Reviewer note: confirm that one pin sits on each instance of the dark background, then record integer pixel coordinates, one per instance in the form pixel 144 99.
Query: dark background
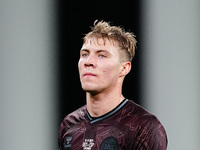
pixel 74 20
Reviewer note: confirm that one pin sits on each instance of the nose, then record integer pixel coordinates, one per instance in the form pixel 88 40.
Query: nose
pixel 90 62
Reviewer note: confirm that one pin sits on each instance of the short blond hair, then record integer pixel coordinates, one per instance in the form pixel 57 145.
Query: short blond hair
pixel 125 40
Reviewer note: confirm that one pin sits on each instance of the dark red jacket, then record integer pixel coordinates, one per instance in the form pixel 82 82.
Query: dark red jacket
pixel 127 127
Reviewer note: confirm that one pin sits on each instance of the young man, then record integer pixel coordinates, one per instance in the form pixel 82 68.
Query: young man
pixel 109 121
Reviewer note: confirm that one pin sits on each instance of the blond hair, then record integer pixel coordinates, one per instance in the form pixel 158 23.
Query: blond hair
pixel 126 40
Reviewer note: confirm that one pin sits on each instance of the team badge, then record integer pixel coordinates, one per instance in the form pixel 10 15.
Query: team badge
pixel 87 144
pixel 109 143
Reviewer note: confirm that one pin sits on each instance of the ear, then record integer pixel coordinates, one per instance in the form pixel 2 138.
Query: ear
pixel 125 68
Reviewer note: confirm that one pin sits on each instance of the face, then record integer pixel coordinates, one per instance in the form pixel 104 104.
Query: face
pixel 99 66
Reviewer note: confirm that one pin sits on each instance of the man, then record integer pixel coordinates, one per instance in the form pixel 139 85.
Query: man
pixel 109 121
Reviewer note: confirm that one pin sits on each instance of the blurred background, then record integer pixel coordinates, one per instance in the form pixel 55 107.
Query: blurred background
pixel 39 52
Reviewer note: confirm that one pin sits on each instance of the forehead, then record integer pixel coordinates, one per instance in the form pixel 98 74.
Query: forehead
pixel 99 43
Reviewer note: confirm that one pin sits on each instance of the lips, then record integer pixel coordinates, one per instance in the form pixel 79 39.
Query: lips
pixel 89 75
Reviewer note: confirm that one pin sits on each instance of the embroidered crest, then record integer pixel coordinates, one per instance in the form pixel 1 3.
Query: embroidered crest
pixel 87 144
pixel 109 143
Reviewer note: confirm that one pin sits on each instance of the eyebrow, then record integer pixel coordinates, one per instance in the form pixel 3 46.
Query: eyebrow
pixel 84 50
pixel 97 51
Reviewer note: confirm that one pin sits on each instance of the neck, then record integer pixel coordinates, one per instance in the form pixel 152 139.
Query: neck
pixel 101 103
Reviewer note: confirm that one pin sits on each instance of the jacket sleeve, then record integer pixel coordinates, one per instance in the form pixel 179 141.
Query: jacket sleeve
pixel 158 138
pixel 62 131
pixel 152 136
pixel 60 136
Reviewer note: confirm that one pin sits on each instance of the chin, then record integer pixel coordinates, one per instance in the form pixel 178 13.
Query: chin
pixel 90 89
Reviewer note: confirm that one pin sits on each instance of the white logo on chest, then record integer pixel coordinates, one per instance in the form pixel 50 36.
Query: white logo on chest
pixel 87 144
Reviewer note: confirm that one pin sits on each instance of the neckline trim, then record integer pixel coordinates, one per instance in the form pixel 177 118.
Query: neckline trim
pixel 97 119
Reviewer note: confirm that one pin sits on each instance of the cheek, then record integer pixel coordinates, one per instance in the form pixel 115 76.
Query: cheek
pixel 79 65
pixel 111 73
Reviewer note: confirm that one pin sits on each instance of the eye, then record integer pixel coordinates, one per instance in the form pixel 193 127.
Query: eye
pixel 102 56
pixel 84 55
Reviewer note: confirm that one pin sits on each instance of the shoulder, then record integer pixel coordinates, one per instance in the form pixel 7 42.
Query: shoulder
pixel 142 117
pixel 139 114
pixel 76 116
pixel 73 119
pixel 149 128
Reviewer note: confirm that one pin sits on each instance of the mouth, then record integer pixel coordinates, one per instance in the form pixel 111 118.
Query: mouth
pixel 89 75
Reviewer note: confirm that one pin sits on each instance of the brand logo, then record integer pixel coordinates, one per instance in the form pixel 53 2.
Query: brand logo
pixel 68 144
pixel 87 144
pixel 109 143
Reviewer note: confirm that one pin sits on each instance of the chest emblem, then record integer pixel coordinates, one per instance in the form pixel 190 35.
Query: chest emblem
pixel 87 144
pixel 109 143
